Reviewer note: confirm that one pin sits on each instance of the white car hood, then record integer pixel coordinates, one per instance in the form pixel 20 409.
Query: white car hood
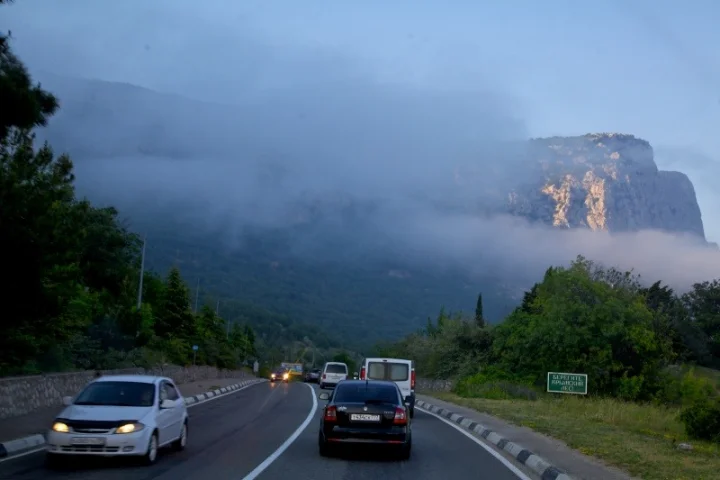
pixel 104 413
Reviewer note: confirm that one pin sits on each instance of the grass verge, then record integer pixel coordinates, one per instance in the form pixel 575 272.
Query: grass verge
pixel 640 439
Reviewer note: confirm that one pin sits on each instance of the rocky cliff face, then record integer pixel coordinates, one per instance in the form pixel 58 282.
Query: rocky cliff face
pixel 599 181
pixel 605 182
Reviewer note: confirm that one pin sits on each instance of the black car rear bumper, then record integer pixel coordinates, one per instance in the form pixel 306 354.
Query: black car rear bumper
pixel 396 435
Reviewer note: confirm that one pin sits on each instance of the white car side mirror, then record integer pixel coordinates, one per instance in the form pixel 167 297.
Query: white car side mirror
pixel 67 401
pixel 167 403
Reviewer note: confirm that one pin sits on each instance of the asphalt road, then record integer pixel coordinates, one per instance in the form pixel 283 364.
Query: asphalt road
pixel 238 437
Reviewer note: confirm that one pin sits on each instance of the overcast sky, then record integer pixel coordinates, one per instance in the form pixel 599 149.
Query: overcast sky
pixel 559 67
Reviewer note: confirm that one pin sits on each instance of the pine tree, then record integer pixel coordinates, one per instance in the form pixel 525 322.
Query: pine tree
pixel 176 319
pixel 479 319
pixel 442 316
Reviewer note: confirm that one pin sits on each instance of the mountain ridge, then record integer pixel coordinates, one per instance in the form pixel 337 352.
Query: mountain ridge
pixel 327 258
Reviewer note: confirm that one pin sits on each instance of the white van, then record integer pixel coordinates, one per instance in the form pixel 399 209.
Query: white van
pixel 397 370
pixel 333 373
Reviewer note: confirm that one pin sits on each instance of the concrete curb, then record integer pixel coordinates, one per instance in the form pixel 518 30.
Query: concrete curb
pixel 21 445
pixel 523 456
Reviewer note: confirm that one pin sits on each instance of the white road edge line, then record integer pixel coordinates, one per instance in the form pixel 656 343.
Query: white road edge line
pixel 230 392
pixel 19 455
pixel 488 448
pixel 274 456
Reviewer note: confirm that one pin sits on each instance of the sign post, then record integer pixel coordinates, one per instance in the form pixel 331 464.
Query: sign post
pixel 195 349
pixel 572 383
pixel 256 367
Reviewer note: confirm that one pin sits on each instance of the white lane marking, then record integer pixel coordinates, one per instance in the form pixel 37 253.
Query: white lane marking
pixel 42 449
pixel 267 399
pixel 274 456
pixel 488 448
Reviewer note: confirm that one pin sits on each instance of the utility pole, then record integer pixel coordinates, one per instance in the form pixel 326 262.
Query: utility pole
pixel 142 273
pixel 197 294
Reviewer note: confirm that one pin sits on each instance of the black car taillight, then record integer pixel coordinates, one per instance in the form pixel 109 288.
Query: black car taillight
pixel 330 414
pixel 400 416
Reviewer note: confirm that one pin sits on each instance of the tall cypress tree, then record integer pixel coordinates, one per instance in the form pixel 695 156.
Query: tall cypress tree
pixel 479 320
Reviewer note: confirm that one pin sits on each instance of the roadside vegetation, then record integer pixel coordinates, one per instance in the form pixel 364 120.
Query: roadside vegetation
pixel 650 355
pixel 72 269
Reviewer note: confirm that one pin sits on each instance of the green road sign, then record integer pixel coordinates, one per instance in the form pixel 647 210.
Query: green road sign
pixel 575 383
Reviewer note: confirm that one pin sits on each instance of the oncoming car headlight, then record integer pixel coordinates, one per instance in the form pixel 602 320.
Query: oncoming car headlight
pixel 60 427
pixel 272 375
pixel 130 428
pixel 285 376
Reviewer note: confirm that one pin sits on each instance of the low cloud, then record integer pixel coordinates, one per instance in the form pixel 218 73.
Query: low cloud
pixel 297 129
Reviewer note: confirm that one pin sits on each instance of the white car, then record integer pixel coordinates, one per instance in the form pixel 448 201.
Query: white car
pixel 129 415
pixel 333 373
pixel 398 370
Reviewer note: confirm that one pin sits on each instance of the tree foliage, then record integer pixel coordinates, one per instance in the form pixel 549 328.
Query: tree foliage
pixel 479 318
pixel 584 318
pixel 72 269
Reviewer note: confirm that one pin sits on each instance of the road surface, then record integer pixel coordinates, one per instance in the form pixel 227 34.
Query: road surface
pixel 256 434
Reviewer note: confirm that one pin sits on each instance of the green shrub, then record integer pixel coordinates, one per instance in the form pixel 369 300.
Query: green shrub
pixel 686 390
pixel 502 391
pixel 495 384
pixel 702 420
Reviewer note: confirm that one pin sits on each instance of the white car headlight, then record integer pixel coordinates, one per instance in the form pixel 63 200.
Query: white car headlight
pixel 60 427
pixel 130 428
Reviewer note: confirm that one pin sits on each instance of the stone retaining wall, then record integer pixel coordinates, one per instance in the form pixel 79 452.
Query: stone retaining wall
pixel 433 385
pixel 22 395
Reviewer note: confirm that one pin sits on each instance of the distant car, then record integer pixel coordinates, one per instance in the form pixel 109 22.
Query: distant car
pixel 280 375
pixel 332 373
pixel 129 415
pixel 313 376
pixel 365 412
pixel 398 370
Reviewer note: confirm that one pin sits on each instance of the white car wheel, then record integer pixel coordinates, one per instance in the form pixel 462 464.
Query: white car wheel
pixel 183 436
pixel 181 442
pixel 152 450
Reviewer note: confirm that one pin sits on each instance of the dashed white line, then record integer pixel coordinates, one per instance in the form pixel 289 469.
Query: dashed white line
pixel 274 456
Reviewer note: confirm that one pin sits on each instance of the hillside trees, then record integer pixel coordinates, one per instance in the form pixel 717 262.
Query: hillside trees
pixel 581 322
pixel 71 268
pixel 583 318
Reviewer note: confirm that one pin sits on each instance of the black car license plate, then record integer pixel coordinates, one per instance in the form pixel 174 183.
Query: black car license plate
pixel 364 417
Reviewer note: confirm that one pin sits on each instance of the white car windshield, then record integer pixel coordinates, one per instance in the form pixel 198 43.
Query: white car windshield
pixel 123 394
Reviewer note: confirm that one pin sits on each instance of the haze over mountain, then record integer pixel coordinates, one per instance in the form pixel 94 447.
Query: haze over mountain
pixel 334 188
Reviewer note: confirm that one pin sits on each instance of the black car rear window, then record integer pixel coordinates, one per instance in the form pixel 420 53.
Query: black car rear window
pixel 335 368
pixel 361 393
pixel 395 372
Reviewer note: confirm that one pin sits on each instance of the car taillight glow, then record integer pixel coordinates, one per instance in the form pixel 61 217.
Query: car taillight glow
pixel 412 380
pixel 331 414
pixel 400 416
pixel 324 376
pixel 362 373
